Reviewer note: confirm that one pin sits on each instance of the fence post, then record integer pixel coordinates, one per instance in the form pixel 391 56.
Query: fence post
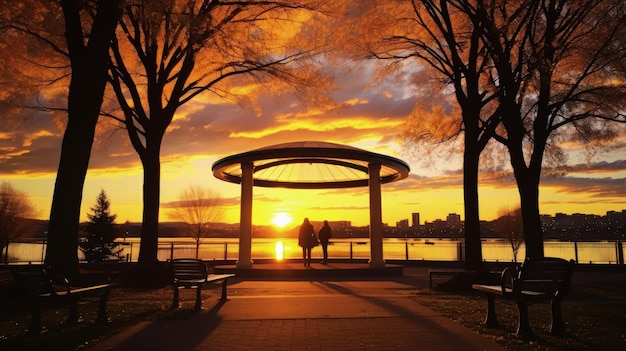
pixel 172 250
pixel 620 252
pixel 576 251
pixel 43 250
pixel 350 250
pixel 406 250
pixel 225 251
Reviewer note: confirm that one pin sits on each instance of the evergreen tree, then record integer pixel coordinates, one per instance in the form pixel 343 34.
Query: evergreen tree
pixel 100 245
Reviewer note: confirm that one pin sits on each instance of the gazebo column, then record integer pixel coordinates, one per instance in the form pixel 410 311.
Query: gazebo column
pixel 245 216
pixel 376 217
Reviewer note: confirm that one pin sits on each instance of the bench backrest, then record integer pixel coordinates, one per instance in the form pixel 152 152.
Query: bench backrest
pixel 186 269
pixel 549 275
pixel 34 281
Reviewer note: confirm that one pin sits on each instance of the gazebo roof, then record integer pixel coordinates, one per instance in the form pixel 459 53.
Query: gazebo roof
pixel 310 165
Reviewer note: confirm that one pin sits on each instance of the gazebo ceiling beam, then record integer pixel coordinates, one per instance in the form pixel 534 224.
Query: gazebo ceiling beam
pixel 311 160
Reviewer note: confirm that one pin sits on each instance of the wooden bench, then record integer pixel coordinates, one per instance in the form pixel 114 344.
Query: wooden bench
pixel 536 280
pixel 43 288
pixel 192 273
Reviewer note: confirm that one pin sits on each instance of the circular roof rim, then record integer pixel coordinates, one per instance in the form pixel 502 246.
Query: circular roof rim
pixel 268 152
pixel 313 149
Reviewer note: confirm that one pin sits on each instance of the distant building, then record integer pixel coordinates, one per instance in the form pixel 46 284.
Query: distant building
pixel 339 229
pixel 415 218
pixel 453 219
pixel 403 224
pixel 438 224
pixel 615 217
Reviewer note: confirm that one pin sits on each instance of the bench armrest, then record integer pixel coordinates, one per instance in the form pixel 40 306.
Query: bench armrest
pixel 60 285
pixel 507 281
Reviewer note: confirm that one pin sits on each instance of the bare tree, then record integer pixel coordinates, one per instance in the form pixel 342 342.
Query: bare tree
pixel 560 68
pixel 168 52
pixel 441 36
pixel 15 210
pixel 79 32
pixel 510 226
pixel 556 69
pixel 198 208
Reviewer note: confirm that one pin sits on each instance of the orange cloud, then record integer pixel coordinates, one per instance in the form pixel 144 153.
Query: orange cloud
pixel 28 141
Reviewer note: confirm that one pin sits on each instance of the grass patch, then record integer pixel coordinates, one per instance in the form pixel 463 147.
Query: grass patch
pixel 594 317
pixel 126 308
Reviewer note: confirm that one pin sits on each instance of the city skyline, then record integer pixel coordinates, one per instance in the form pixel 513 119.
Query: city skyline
pixel 451 218
pixel 609 226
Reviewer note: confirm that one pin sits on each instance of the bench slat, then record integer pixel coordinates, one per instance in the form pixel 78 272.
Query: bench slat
pixel 89 289
pixel 215 277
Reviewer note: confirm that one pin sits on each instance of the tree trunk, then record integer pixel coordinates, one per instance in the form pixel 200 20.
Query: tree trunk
pixel 149 273
pixel 471 157
pixel 529 200
pixel 62 249
pixel 473 249
pixel 527 179
pixel 148 248
pixel 89 72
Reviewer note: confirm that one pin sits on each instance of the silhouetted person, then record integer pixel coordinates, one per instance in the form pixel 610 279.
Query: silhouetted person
pixel 324 236
pixel 307 240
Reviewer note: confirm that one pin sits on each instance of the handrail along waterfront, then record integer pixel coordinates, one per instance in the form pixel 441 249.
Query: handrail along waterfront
pixel 422 249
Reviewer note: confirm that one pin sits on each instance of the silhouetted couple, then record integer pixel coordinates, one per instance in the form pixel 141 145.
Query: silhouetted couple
pixel 307 240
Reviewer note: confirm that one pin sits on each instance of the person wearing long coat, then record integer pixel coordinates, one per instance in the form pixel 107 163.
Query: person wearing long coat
pixel 324 236
pixel 307 240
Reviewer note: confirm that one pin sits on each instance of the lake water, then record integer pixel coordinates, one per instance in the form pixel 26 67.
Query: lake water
pixel 601 252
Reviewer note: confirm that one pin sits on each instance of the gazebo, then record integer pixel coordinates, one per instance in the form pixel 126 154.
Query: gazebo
pixel 310 165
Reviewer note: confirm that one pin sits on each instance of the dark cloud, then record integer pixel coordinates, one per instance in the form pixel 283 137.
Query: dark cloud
pixel 426 182
pixel 595 187
pixel 31 145
pixel 599 167
pixel 338 208
pixel 588 202
pixel 220 201
pixel 40 157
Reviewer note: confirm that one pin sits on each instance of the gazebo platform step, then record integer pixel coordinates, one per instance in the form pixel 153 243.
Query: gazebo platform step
pixel 295 270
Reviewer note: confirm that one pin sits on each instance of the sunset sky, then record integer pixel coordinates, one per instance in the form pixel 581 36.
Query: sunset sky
pixel 372 119
pixel 370 114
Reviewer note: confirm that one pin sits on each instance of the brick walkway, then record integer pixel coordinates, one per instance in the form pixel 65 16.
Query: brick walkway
pixel 305 315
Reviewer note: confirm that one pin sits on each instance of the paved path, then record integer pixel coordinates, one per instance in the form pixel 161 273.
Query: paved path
pixel 306 315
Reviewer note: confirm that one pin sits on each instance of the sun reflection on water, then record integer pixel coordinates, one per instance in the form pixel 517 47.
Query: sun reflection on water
pixel 280 251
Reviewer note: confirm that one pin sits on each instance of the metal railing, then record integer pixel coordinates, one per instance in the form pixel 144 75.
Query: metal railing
pixel 599 252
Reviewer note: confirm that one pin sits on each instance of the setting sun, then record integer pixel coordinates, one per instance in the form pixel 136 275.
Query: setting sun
pixel 281 219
